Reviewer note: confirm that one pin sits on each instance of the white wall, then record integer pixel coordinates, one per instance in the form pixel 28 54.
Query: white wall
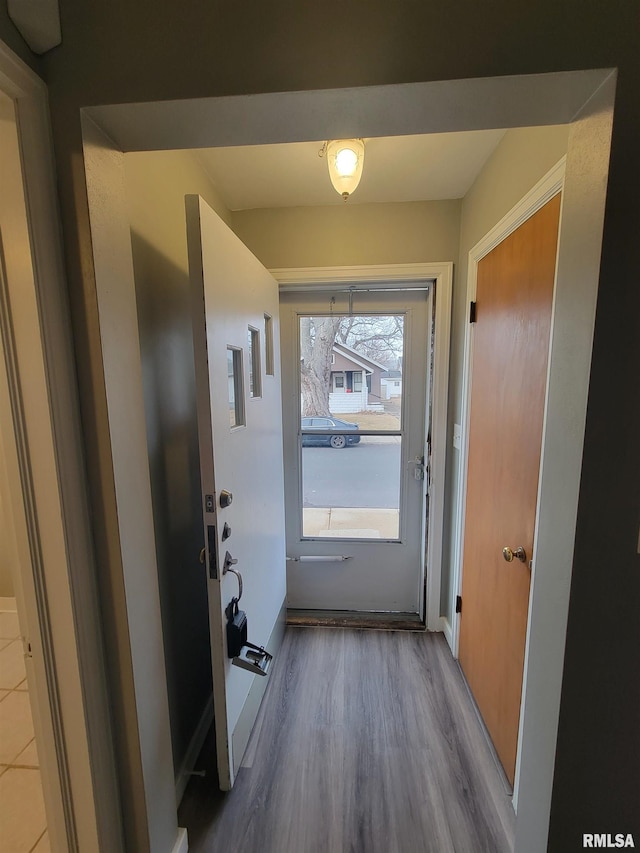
pixel 410 232
pixel 342 403
pixel 129 588
pixel 156 183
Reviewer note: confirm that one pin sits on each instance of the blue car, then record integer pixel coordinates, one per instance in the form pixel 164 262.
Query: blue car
pixel 312 436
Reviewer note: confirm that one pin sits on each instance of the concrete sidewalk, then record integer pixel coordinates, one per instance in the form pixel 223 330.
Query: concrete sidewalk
pixel 351 523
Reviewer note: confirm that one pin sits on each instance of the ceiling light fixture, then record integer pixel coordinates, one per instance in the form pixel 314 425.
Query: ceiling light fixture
pixel 345 158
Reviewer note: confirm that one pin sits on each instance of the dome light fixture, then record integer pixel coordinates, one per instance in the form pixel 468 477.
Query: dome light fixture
pixel 345 158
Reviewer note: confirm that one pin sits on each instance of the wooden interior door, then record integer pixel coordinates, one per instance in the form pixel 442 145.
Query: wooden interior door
pixel 237 358
pixel 510 353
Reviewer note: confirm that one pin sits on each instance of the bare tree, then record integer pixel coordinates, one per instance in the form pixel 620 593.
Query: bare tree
pixel 377 337
pixel 317 337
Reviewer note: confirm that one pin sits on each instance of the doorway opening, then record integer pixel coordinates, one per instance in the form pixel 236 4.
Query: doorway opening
pixel 117 121
pixel 23 820
pixel 54 640
pixel 357 520
pixel 512 273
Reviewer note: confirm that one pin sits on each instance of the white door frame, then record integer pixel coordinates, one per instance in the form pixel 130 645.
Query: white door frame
pixel 406 275
pixel 42 478
pixel 584 99
pixel 539 195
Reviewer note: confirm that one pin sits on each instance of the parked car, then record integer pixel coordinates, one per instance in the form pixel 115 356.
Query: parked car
pixel 313 429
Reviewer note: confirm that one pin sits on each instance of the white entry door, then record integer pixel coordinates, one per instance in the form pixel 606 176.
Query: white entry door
pixel 355 384
pixel 236 347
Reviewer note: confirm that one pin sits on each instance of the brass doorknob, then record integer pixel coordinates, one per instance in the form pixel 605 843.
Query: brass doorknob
pixel 518 554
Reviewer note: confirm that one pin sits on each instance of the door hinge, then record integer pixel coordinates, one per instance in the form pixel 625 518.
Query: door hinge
pixel 473 311
pixel 458 604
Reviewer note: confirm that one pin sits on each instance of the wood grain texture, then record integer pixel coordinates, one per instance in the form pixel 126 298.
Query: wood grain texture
pixel 354 619
pixel 367 742
pixel 511 344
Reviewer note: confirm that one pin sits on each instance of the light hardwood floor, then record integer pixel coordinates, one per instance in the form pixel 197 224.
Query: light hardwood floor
pixel 367 742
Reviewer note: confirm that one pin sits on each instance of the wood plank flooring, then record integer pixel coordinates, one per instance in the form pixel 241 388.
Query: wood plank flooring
pixel 367 742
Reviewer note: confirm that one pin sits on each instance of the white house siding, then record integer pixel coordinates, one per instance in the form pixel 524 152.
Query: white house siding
pixel 390 389
pixel 342 403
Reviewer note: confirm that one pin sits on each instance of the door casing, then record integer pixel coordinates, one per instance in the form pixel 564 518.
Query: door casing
pixel 585 100
pixel 404 276
pixel 42 478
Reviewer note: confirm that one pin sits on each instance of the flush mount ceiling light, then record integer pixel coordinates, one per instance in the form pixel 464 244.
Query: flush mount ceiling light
pixel 345 158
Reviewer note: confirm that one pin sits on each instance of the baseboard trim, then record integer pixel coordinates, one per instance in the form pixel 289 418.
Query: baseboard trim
pixel 249 713
pixel 182 842
pixel 447 630
pixel 193 750
pixel 508 788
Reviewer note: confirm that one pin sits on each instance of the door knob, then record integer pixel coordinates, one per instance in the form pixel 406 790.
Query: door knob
pixel 518 554
pixel 225 498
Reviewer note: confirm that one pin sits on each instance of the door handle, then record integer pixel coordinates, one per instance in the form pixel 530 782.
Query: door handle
pixel 518 554
pixel 229 562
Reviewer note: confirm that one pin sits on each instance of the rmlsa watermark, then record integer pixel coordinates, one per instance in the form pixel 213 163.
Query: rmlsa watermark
pixel 620 839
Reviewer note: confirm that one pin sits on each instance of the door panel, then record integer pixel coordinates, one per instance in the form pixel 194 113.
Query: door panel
pixel 364 499
pixel 234 305
pixel 510 353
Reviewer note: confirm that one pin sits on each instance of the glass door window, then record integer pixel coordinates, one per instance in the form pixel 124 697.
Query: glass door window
pixel 355 493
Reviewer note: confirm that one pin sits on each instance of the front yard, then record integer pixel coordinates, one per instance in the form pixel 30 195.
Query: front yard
pixel 372 420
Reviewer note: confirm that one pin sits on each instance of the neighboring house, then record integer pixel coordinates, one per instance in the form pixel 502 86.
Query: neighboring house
pixel 355 381
pixel 391 384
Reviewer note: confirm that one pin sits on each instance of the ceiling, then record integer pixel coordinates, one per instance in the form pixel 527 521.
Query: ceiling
pixel 396 168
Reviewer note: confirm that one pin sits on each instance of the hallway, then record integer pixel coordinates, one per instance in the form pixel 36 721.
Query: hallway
pixel 367 742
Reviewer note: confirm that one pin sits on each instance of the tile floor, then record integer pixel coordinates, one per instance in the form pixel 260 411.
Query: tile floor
pixel 22 819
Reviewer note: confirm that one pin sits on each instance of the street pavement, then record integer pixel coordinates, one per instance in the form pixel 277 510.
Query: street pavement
pixel 365 475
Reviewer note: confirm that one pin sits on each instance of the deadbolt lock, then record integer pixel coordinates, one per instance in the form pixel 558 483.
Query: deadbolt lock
pixel 226 498
pixel 518 554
